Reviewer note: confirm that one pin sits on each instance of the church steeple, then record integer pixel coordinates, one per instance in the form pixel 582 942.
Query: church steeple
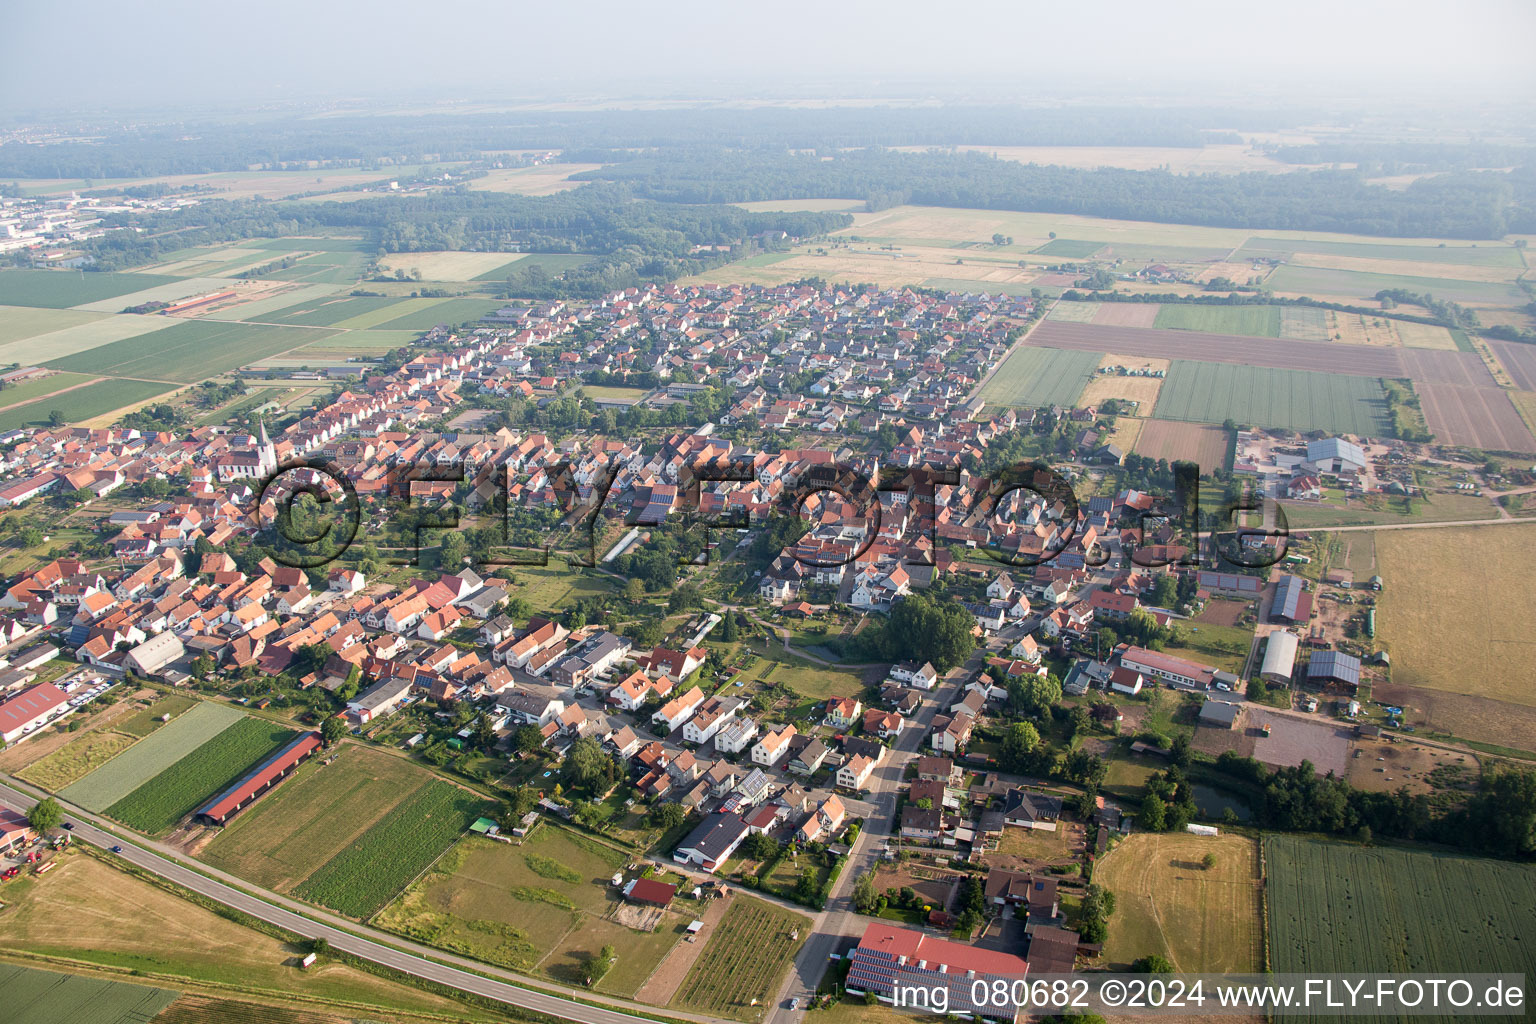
pixel 268 454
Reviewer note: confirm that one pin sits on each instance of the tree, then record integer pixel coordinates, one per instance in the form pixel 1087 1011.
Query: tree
pixel 1018 741
pixel 807 889
pixel 634 591
pixel 332 730
pixel 1152 964
pixel 56 418
pixel 667 816
pixel 1033 695
pixel 600 965
pixel 485 732
pixel 1208 861
pixel 864 895
pixel 527 738
pixel 1154 814
pixel 587 767
pixel 1098 906
pixel 1179 752
pixel 45 815
pixel 927 628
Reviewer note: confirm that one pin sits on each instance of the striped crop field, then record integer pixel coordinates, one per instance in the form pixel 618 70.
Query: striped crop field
pixel 150 756
pixel 157 805
pixel 1034 377
pixel 47 997
pixel 1271 397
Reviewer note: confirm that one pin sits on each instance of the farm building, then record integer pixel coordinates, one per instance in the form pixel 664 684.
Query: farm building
pixel 263 777
pixel 1168 668
pixel 1292 602
pixel 1220 714
pixel 153 655
pixel 15 830
pixel 649 892
pixel 1279 657
pixel 1230 584
pixel 1336 455
pixel 29 709
pixel 713 842
pixel 1334 667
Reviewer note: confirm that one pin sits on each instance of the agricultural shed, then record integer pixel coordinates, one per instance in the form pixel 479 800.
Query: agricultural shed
pixel 263 777
pixel 650 892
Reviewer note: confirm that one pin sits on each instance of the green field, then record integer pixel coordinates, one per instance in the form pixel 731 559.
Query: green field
pixel 1156 253
pixel 145 721
pixel 744 961
pixel 1317 282
pixel 1491 255
pixel 46 997
pixel 305 244
pixel 18 323
pixel 335 267
pixel 1262 396
pixel 156 806
pixel 315 814
pixel 328 312
pixel 1337 907
pixel 1034 377
pixel 1070 247
pixel 558 263
pixel 83 403
pixel 449 311
pixel 1257 321
pixel 144 760
pixel 190 351
pixel 34 387
pixel 382 861
pixel 58 289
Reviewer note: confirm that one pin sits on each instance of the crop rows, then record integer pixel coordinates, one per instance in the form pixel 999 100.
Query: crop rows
pixel 1338 907
pixel 45 997
pixel 1270 397
pixel 158 804
pixel 150 756
pixel 744 959
pixel 366 875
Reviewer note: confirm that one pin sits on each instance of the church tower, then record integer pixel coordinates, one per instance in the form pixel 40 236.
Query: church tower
pixel 267 453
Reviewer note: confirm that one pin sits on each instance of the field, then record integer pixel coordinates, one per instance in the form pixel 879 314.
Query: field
pixel 382 861
pixel 1268 397
pixel 1033 377
pixel 1358 287
pixel 44 997
pixel 1445 583
pixel 60 342
pixel 451 266
pixel 189 351
pixel 1335 907
pixel 76 760
pixel 20 322
pixel 145 721
pixel 314 815
pixel 542 907
pixel 1075 312
pixel 1127 314
pixel 541 180
pixel 58 289
pixel 330 311
pixel 92 914
pixel 1255 321
pixel 1518 360
pixel 448 311
pixel 745 960
pixel 1482 417
pixel 1424 335
pixel 1141 390
pixel 156 806
pixel 1497 255
pixel 84 403
pixel 37 387
pixel 143 761
pixel 1071 248
pixel 1325 357
pixel 1166 902
pixel 1440 507
pixel 1193 442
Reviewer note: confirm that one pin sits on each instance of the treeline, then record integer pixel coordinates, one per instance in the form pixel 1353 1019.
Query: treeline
pixel 378 143
pixel 1499 819
pixel 1471 205
pixel 635 241
pixel 1384 158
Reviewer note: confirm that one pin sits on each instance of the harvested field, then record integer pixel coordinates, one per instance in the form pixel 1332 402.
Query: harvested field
pixel 1463 369
pixel 314 815
pixel 1324 357
pixel 543 180
pixel 144 760
pixel 1465 715
pixel 1304 323
pixel 1479 417
pixel 1167 902
pixel 1075 312
pixel 1525 404
pixel 1190 442
pixel 1127 314
pixel 1424 335
pixel 1438 584
pixel 1519 361
pixel 1035 376
pixel 1141 390
pixel 1355 287
pixel 1499 255
pixel 1250 321
pixel 1219 612
pixel 450 266
pixel 1394 267
pixel 1269 397
pixel 1115 359
pixel 1355 329
pixel 1127 432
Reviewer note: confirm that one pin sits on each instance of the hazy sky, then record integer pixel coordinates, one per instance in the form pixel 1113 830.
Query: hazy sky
pixel 159 52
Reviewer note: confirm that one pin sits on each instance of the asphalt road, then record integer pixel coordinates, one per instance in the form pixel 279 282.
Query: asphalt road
pixel 345 941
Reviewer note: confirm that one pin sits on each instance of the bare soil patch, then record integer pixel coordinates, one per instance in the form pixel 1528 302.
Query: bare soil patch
pixel 1204 443
pixel 1141 390
pixel 1222 613
pixel 1127 314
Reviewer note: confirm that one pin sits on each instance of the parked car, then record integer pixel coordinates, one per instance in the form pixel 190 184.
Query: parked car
pixel 68 826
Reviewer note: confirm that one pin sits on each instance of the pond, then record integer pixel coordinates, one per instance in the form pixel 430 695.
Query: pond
pixel 1213 802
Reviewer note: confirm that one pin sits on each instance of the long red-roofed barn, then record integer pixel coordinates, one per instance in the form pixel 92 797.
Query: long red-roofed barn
pixel 263 777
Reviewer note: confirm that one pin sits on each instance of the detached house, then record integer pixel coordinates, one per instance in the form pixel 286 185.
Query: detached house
pixel 773 746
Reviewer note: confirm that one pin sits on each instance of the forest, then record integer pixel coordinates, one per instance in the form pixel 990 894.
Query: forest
pixel 1484 204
